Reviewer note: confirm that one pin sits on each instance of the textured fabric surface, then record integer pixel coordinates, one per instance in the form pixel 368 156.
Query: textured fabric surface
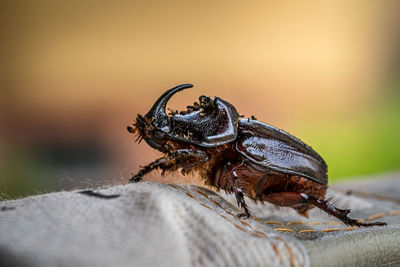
pixel 149 224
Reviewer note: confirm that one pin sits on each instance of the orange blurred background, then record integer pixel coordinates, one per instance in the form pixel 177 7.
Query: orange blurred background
pixel 76 73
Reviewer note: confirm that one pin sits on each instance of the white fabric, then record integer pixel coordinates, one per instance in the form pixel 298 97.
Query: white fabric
pixel 149 224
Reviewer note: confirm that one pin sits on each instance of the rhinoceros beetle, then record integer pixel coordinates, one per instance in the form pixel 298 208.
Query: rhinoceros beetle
pixel 241 156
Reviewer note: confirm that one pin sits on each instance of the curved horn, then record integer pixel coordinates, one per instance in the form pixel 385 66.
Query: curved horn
pixel 158 109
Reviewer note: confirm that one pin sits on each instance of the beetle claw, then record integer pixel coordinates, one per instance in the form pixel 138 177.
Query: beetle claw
pixel 136 179
pixel 243 215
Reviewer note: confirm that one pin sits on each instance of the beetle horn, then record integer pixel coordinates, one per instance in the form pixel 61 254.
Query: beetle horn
pixel 158 110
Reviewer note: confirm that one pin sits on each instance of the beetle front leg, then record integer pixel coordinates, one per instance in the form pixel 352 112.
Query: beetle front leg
pixel 148 168
pixel 336 212
pixel 182 158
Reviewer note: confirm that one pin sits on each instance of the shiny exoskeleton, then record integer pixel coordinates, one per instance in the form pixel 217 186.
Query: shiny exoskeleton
pixel 241 156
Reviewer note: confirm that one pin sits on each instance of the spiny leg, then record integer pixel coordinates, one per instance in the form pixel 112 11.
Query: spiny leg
pixel 162 162
pixel 338 213
pixel 241 203
pixel 234 181
pixel 178 159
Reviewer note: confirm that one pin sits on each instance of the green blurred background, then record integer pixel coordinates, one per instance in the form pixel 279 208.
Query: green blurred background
pixel 75 74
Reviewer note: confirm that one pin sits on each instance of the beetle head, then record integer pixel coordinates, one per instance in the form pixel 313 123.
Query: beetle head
pixel 211 122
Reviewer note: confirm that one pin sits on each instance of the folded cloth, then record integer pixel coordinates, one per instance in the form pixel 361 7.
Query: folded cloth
pixel 151 224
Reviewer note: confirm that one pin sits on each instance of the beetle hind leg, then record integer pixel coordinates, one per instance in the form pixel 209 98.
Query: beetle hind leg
pixel 341 214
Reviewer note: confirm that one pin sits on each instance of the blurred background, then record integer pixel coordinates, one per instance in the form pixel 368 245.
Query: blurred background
pixel 74 74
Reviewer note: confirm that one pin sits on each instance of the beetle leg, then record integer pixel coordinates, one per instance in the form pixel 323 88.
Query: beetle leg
pixel 182 158
pixel 238 192
pixel 259 187
pixel 148 168
pixel 338 213
pixel 189 158
pixel 241 203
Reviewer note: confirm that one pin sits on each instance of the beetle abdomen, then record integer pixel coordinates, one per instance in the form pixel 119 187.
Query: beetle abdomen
pixel 266 186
